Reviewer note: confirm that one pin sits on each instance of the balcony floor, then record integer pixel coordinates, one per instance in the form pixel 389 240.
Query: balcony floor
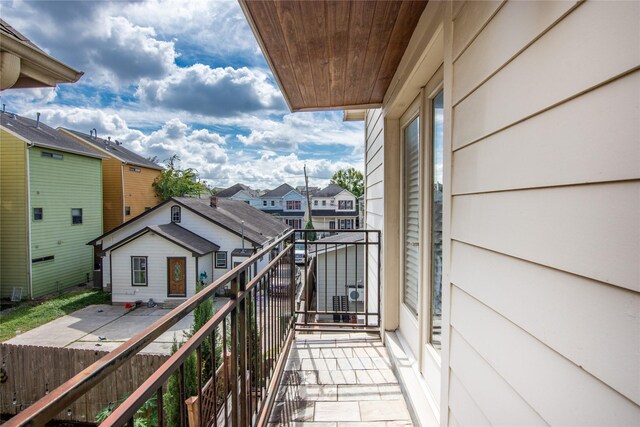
pixel 339 380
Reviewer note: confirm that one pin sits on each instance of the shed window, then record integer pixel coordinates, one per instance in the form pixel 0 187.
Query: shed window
pixel 132 169
pixel 221 260
pixel 56 156
pixel 42 259
pixel 38 214
pixel 175 214
pixel 127 210
pixel 76 216
pixel 139 271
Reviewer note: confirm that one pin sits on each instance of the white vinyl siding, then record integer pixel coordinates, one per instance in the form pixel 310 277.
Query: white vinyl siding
pixel 157 249
pixel 411 214
pixel 544 222
pixel 336 270
pixel 374 193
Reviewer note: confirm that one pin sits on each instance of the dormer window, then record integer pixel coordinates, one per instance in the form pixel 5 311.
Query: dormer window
pixel 175 214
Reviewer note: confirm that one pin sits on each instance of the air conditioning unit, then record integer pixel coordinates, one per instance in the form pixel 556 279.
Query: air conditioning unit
pixel 356 293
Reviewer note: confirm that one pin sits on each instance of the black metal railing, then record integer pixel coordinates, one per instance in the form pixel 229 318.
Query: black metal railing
pixel 342 280
pixel 243 345
pixel 228 371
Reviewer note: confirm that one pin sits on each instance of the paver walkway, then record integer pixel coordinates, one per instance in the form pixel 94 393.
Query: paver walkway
pixel 339 380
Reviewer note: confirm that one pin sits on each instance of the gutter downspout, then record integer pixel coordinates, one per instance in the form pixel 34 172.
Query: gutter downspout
pixel 122 215
pixel 28 181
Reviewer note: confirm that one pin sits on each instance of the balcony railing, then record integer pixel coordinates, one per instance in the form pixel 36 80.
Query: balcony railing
pixel 228 371
pixel 342 280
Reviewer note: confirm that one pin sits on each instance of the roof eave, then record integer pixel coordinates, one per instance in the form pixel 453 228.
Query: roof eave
pixel 37 66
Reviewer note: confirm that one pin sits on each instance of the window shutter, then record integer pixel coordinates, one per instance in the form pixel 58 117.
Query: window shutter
pixel 411 215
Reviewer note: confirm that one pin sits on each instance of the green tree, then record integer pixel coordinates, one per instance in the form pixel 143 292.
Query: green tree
pixel 176 182
pixel 350 179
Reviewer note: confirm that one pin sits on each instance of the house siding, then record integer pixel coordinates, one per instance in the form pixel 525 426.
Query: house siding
pixel 227 240
pixel 545 204
pixel 58 186
pixel 138 189
pixel 112 193
pixel 374 197
pixel 335 271
pixel 157 249
pixel 14 251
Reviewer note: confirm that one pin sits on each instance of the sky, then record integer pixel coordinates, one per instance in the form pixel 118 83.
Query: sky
pixel 179 77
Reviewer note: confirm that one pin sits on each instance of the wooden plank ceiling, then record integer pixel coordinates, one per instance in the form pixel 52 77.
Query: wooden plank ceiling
pixel 333 54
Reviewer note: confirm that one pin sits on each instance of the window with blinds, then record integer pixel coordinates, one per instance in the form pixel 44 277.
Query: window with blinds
pixel 411 216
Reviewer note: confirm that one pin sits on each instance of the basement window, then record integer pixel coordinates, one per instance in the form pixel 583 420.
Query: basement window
pixel 42 259
pixel 52 155
pixel 76 216
pixel 38 214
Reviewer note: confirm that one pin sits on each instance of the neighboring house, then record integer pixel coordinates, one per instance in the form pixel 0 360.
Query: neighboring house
pixel 339 275
pixel 303 190
pixel 25 65
pixel 240 192
pixel 161 254
pixel 127 179
pixel 334 208
pixel 286 203
pixel 517 300
pixel 51 204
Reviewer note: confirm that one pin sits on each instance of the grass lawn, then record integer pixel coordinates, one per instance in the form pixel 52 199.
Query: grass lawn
pixel 32 314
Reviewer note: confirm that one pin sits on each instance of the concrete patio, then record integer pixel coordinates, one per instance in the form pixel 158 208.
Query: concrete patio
pixel 114 323
pixel 335 380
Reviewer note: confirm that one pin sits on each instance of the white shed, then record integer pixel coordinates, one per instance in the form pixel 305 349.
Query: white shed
pixel 340 276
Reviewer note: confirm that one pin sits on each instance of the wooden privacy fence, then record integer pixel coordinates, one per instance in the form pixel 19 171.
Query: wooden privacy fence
pixel 30 372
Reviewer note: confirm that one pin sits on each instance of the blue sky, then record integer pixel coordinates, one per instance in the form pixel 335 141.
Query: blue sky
pixel 179 77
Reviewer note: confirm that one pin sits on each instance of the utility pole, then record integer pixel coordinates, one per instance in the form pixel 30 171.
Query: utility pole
pixel 306 185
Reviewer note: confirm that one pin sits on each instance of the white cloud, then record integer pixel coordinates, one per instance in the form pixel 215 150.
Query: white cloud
pixel 296 129
pixel 211 91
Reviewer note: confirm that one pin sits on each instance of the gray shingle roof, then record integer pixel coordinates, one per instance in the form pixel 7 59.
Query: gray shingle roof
pixel 44 136
pixel 235 189
pixel 259 227
pixel 115 150
pixel 329 191
pixel 278 192
pixel 332 212
pixel 342 237
pixel 174 233
pixel 5 28
pixel 185 238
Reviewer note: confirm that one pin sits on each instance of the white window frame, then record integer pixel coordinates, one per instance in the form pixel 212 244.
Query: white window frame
pixel 176 214
pixel 141 269
pixel 221 262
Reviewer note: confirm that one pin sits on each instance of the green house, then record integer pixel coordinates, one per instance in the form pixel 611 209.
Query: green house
pixel 50 207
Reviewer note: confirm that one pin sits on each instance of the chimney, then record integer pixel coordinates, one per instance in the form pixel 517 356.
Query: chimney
pixel 91 133
pixel 213 201
pixel 37 120
pixel 4 108
pixel 95 133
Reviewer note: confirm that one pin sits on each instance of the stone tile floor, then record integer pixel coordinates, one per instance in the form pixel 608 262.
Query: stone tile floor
pixel 336 380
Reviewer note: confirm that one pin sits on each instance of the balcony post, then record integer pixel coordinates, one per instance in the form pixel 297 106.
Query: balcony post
pixel 292 281
pixel 234 355
pixel 242 341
